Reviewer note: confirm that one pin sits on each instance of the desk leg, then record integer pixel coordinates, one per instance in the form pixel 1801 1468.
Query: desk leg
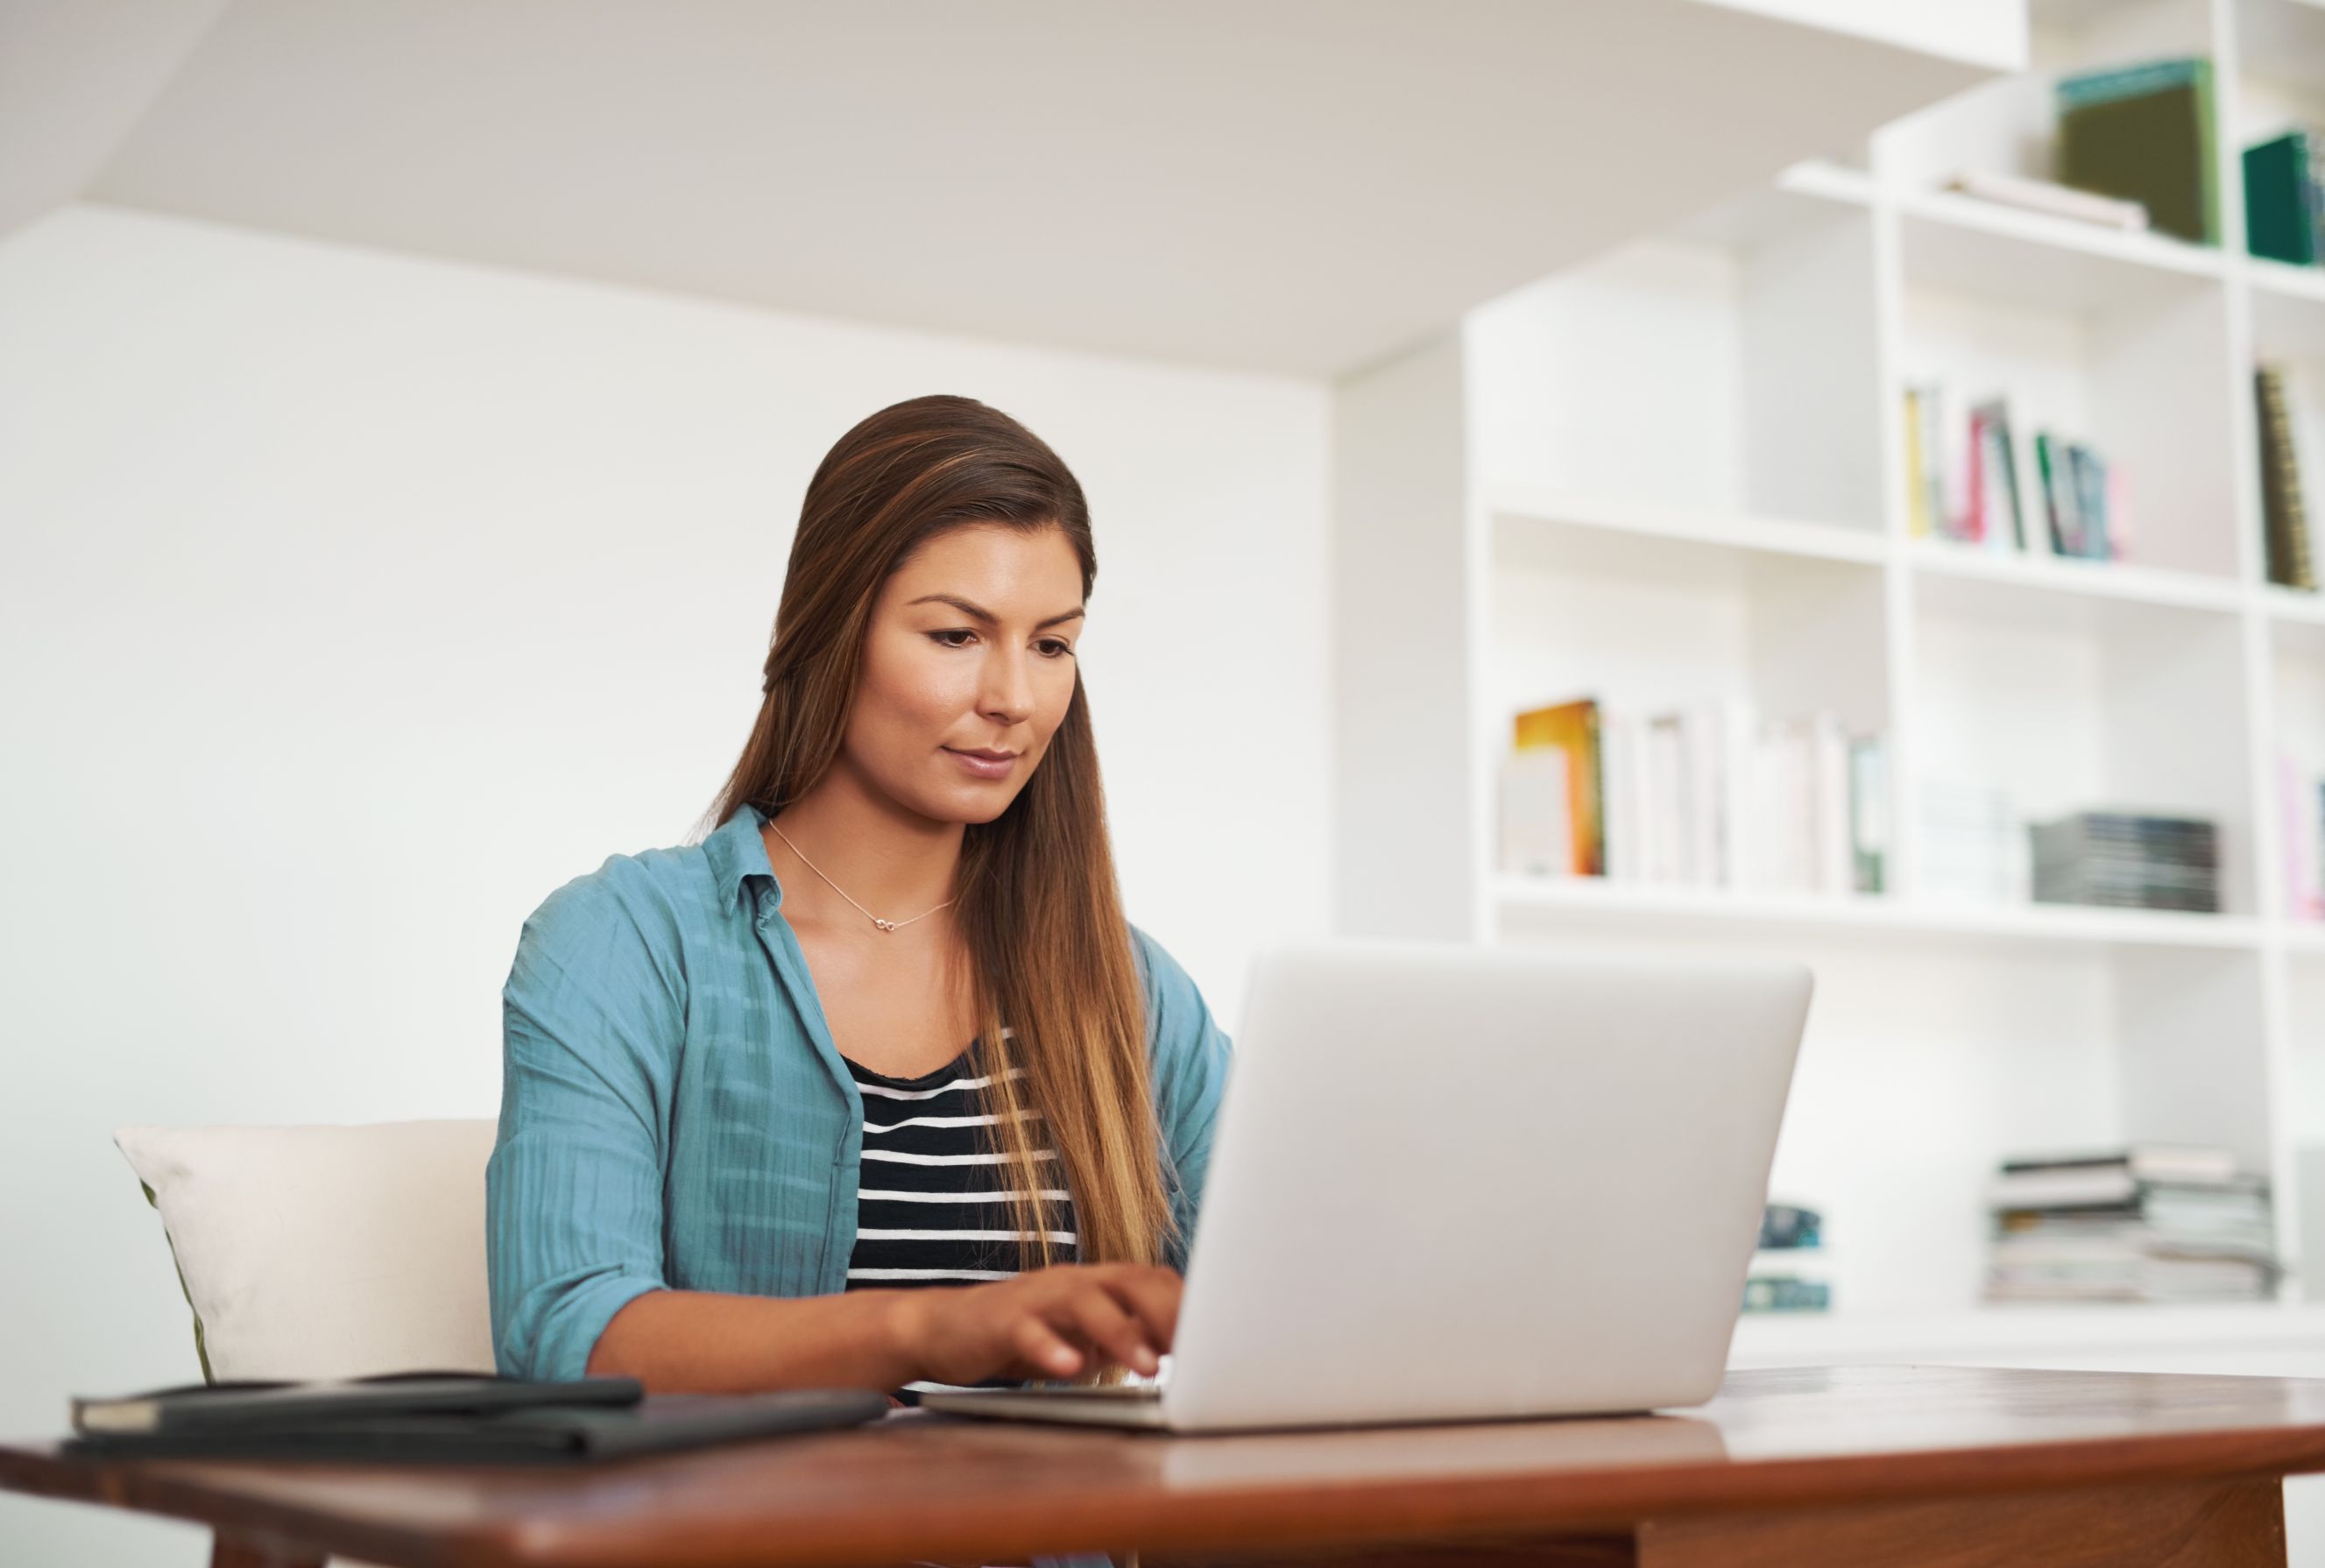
pixel 232 1549
pixel 2168 1525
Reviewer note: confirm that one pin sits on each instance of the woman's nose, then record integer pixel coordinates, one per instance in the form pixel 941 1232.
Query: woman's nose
pixel 1008 689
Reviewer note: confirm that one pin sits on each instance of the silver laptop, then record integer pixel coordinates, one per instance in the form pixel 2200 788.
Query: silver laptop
pixel 1457 1183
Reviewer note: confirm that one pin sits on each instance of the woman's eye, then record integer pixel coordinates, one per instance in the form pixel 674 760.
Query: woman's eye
pixel 1051 648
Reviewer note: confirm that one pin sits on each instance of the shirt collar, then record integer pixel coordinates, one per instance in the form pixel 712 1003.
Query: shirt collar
pixel 736 851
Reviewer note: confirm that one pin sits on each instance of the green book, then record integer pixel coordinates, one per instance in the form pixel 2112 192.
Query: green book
pixel 2058 495
pixel 2144 132
pixel 2279 219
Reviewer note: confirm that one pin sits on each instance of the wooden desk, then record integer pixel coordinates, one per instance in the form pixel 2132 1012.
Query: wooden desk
pixel 1860 1465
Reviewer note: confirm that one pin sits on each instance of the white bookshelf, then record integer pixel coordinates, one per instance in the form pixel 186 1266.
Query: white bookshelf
pixel 1678 473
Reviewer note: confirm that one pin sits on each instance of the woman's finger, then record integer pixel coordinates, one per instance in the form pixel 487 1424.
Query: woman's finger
pixel 1108 1326
pixel 1151 1296
pixel 1042 1346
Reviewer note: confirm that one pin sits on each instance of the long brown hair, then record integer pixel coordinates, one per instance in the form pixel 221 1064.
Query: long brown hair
pixel 1038 907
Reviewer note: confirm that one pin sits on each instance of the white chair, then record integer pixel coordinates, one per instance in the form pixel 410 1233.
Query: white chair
pixel 326 1251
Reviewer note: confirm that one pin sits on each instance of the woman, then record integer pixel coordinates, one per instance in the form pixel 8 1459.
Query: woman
pixel 742 1143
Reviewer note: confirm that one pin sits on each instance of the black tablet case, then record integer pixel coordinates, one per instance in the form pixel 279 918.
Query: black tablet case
pixel 468 1419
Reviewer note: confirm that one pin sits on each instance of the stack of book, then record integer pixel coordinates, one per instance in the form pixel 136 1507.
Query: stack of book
pixel 2148 1224
pixel 2128 860
pixel 2144 132
pixel 2301 794
pixel 1709 795
pixel 1980 485
pixel 1788 1272
pixel 2284 517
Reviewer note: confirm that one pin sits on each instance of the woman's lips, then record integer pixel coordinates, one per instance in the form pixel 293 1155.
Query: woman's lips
pixel 982 767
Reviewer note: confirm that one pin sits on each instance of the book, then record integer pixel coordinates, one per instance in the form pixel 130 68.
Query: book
pixel 1919 523
pixel 1829 811
pixel 1786 1226
pixel 1730 723
pixel 2129 1274
pixel 250 1405
pixel 2284 517
pixel 2144 132
pixel 557 1424
pixel 1931 470
pixel 1537 813
pixel 1784 1295
pixel 2280 199
pixel 2079 487
pixel 1573 727
pixel 2087 474
pixel 1665 854
pixel 2001 507
pixel 1621 766
pixel 1868 813
pixel 1786 791
pixel 2046 478
pixel 2143 1222
pixel 2054 200
pixel 1977 504
pixel 2148 1161
pixel 1790 1270
pixel 2128 859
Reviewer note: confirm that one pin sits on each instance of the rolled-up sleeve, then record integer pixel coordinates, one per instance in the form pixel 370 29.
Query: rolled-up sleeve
pixel 1190 1054
pixel 592 1024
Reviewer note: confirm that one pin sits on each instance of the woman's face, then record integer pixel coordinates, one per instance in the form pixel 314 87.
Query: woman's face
pixel 971 649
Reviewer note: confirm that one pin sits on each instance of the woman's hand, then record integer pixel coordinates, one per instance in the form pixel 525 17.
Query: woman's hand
pixel 1046 1323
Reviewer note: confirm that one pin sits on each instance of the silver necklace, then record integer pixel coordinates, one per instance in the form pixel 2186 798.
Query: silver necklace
pixel 835 887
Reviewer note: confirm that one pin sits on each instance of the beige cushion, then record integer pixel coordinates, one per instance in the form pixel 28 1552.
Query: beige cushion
pixel 326 1251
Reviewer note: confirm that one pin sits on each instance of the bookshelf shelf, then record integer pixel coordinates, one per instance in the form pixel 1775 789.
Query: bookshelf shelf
pixel 2293 607
pixel 1593 900
pixel 2276 281
pixel 1966 246
pixel 1518 510
pixel 1822 177
pixel 1678 476
pixel 2054 575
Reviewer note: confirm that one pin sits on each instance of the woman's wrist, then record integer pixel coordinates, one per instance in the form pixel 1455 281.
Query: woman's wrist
pixel 903 1328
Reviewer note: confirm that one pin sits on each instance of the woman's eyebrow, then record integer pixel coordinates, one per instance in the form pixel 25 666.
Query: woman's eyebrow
pixel 981 613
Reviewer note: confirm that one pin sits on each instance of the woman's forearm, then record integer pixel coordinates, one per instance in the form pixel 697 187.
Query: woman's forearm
pixel 705 1341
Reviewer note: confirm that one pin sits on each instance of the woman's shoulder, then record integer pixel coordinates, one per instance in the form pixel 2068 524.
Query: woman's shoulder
pixel 1179 1021
pixel 667 897
pixel 1156 967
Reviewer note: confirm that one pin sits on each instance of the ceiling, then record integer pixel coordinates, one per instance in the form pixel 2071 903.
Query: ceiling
pixel 1293 186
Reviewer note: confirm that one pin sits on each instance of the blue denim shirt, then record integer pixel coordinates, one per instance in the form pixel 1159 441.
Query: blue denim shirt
pixel 674 1113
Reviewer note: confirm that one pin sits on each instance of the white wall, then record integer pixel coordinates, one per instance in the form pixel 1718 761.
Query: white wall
pixel 350 602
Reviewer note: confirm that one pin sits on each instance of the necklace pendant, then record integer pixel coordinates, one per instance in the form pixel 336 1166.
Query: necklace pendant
pixel 884 924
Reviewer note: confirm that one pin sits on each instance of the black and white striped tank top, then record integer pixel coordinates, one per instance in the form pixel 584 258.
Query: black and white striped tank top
pixel 932 1200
